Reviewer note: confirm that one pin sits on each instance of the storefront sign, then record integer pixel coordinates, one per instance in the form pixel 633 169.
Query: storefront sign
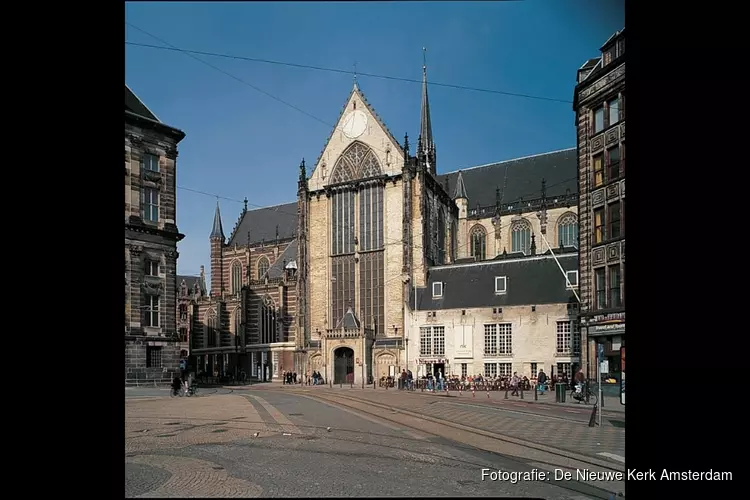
pixel 428 361
pixel 607 318
pixel 609 329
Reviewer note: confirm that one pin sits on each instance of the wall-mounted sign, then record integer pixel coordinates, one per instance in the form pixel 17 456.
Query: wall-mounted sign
pixel 607 318
pixel 608 329
pixel 464 341
pixel 431 361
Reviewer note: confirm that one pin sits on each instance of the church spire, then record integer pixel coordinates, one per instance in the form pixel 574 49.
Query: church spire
pixel 217 231
pixel 425 128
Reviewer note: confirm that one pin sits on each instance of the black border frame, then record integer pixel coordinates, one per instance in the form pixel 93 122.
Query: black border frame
pixel 684 109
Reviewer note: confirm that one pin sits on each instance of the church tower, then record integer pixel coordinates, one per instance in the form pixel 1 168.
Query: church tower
pixel 217 239
pixel 427 148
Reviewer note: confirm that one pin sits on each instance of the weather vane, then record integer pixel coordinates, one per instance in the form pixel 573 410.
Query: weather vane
pixel 355 71
pixel 424 57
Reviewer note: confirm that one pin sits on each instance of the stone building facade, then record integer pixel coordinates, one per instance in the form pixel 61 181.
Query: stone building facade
pixel 326 281
pixel 496 317
pixel 152 349
pixel 190 289
pixel 600 118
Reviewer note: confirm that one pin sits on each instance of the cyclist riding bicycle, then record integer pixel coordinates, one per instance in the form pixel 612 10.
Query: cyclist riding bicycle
pixel 176 384
pixel 579 378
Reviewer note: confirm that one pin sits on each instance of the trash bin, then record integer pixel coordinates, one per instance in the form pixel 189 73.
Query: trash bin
pixel 560 393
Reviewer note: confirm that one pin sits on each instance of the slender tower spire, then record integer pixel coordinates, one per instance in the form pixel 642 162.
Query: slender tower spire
pixel 217 231
pixel 425 129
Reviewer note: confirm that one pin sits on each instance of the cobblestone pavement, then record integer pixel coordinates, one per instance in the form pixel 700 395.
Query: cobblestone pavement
pixel 208 447
pixel 606 442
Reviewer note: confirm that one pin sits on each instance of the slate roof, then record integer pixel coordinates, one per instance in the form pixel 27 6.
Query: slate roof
pixel 261 224
pixel 518 178
pixel 135 105
pixel 349 321
pixel 217 230
pixel 531 280
pixel 287 256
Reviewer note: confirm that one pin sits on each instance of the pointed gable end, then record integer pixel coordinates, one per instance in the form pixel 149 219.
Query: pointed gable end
pixel 357 122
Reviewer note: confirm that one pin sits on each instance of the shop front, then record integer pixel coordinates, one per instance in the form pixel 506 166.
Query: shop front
pixel 432 366
pixel 605 334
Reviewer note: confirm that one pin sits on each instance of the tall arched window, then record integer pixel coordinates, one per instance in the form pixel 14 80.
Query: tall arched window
pixel 212 328
pixel 268 327
pixel 263 266
pixel 364 235
pixel 236 277
pixel 520 236
pixel 237 322
pixel 567 229
pixel 478 242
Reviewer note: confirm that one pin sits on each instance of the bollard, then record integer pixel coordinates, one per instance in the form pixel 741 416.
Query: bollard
pixel 473 391
pixel 488 391
pixel 536 394
pixel 521 392
pixel 459 389
pixel 330 383
pixel 592 419
pixel 352 386
pixel 506 392
pixel 373 384
pixel 446 391
pixel 341 385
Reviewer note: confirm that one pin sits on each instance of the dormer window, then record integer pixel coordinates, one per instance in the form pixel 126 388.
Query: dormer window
pixel 437 289
pixel 572 279
pixel 501 285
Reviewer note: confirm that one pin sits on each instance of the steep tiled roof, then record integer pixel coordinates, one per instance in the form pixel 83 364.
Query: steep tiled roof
pixel 135 105
pixel 287 256
pixel 261 225
pixel 531 280
pixel 518 178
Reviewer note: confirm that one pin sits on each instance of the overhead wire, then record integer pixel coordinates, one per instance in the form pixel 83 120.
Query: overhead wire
pixel 346 72
pixel 335 127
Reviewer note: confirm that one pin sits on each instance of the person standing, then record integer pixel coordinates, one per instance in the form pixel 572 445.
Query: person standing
pixel 541 381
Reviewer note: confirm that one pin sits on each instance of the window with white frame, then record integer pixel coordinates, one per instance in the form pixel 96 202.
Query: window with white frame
pixel 564 339
pixel 572 279
pixel 520 236
pixel 490 370
pixel 498 339
pixel 534 370
pixel 432 341
pixel 152 267
pixel 437 289
pixel 464 369
pixel 151 162
pixel 505 369
pixel 501 285
pixel 150 204
pixel 153 356
pixel 490 340
pixel 151 312
pixel 567 230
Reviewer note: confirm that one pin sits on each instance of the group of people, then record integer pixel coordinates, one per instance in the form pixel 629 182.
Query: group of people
pixel 291 378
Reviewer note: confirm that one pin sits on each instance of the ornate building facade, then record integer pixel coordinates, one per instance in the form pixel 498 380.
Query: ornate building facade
pixel 600 117
pixel 152 349
pixel 327 283
pixel 190 289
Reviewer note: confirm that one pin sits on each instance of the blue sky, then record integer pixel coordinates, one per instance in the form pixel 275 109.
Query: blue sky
pixel 241 143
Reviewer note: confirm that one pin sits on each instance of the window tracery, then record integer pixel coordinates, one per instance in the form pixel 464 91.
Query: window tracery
pixel 478 242
pixel 520 236
pixel 357 162
pixel 567 230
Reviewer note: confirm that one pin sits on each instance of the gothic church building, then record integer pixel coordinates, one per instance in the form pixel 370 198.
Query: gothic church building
pixel 325 283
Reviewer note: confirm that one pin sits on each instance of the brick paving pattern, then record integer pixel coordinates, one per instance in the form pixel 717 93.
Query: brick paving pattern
pixel 572 436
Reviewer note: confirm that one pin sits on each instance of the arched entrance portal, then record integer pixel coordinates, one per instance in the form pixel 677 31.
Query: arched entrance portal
pixel 343 366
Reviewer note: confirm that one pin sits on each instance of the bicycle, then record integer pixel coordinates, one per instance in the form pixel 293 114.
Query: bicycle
pixel 173 393
pixel 587 396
